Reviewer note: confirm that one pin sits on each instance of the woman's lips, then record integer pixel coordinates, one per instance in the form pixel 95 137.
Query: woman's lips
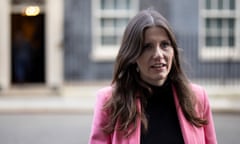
pixel 159 67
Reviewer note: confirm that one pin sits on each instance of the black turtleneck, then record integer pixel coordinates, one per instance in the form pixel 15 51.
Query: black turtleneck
pixel 163 123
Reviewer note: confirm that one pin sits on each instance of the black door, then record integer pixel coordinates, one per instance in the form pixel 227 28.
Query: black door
pixel 27 49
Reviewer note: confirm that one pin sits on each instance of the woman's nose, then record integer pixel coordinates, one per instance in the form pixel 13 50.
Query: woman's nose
pixel 158 53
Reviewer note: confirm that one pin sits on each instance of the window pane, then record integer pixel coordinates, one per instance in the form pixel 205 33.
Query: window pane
pixel 220 4
pixel 121 22
pixel 214 4
pixel 217 41
pixel 214 23
pixel 228 41
pixel 213 26
pixel 232 4
pixel 109 40
pixel 231 26
pixel 107 22
pixel 219 23
pixel 207 22
pixel 208 41
pixel 208 4
pixel 122 4
pixel 107 4
pixel 231 41
pixel 213 41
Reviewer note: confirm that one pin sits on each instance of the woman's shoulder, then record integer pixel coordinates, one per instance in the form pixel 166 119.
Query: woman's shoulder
pixel 196 87
pixel 106 89
pixel 104 93
pixel 199 91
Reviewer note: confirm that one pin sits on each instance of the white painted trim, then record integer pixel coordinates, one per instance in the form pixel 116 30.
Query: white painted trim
pixel 217 13
pixel 54 43
pixel 201 29
pixel 5 52
pixel 237 31
pixel 219 54
pixel 105 54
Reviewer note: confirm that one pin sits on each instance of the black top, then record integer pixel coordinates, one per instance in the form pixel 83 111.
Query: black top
pixel 163 123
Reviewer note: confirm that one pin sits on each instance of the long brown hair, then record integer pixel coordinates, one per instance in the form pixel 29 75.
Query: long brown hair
pixel 128 86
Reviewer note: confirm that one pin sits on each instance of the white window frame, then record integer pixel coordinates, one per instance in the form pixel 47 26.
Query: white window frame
pixel 218 53
pixel 100 52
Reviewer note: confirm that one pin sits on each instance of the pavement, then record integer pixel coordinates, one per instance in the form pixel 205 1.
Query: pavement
pixel 81 98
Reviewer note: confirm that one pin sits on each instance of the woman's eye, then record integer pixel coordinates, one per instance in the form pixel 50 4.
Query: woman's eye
pixel 165 44
pixel 147 46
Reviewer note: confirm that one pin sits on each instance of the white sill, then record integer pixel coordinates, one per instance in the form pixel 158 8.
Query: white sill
pixel 219 54
pixel 104 54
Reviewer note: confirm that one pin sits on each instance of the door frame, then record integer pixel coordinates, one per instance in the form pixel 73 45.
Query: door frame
pixel 53 44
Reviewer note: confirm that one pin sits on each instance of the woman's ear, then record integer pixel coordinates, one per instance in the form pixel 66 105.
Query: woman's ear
pixel 136 66
pixel 137 69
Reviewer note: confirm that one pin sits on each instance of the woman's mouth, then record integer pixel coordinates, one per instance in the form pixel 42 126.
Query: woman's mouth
pixel 159 66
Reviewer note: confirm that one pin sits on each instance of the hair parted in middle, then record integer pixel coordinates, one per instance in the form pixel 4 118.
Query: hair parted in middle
pixel 128 86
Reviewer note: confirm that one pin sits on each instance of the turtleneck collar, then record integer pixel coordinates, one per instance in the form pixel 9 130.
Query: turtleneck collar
pixel 163 88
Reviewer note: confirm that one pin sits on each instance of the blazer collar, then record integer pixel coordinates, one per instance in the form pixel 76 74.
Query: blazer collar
pixel 186 127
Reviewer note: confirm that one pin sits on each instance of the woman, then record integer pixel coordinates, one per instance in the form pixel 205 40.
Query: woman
pixel 151 100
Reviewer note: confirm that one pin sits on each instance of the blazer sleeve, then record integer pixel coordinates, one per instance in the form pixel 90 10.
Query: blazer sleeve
pixel 209 130
pixel 97 136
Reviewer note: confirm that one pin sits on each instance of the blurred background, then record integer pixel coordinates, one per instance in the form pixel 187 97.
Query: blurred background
pixel 55 55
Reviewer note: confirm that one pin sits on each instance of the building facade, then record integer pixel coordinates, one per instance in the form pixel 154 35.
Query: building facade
pixel 207 33
pixel 80 38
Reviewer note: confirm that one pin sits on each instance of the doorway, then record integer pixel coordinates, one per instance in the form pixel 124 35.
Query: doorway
pixel 27 49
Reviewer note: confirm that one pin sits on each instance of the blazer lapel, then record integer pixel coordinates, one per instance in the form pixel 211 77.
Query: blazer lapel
pixel 186 128
pixel 137 134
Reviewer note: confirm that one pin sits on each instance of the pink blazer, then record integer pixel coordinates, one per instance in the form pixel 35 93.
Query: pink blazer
pixel 191 134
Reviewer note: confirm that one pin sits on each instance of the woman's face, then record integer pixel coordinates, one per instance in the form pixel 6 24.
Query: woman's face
pixel 156 60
